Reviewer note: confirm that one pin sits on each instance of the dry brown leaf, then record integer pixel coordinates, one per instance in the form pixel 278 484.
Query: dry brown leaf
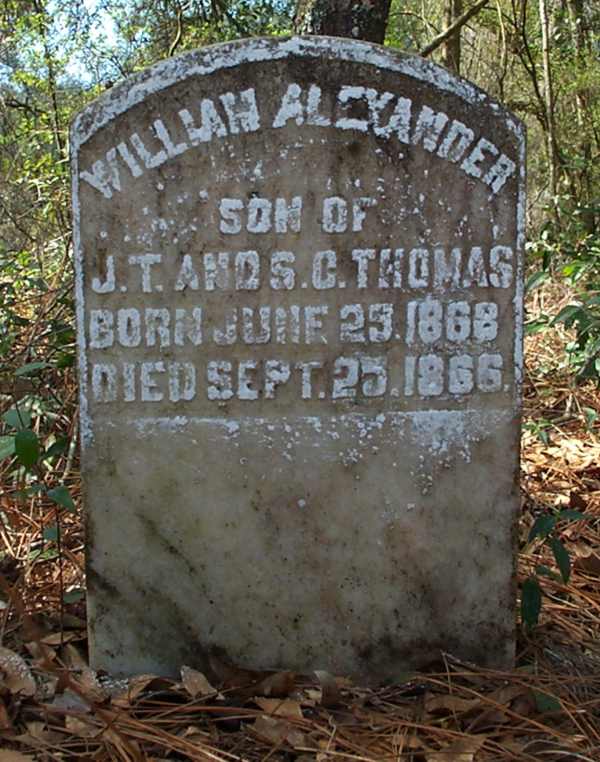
pixel 330 693
pixel 278 685
pixel 461 750
pixel 587 560
pixel 69 702
pixel 59 638
pixel 196 683
pixel 137 685
pixel 278 732
pixel 15 673
pixel 450 703
pixel 6 755
pixel 280 707
pixel 5 723
pixel 81 727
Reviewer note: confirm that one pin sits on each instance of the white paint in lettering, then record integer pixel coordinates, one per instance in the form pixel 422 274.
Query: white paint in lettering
pixel 247 271
pixel 186 326
pixel 157 327
pixel 381 319
pixel 389 268
pixel 259 215
pixel 446 269
pixel 218 374
pixel 362 257
pixel 231 221
pixel 150 161
pixel 129 330
pixel 104 382
pixel 187 277
pixel 162 134
pixel 313 323
pixel 101 329
pixel 352 323
pixel 429 128
pixel 324 270
pixel 287 324
pixel 216 271
pixel 306 369
pixel 460 374
pixel 418 268
pixel 399 123
pixel 476 271
pixel 211 123
pixel 109 283
pixel 228 334
pixel 501 267
pixel 288 216
pixel 149 391
pixel 241 111
pixel 276 374
pixel 489 372
pixel 282 276
pixel 250 334
pixel 456 141
pixel 358 211
pixel 146 261
pixel 182 381
pixel 485 321
pixel 245 380
pixel 498 173
pixel 471 164
pixel 335 215
pixel 292 107
pixel 377 103
pixel 346 94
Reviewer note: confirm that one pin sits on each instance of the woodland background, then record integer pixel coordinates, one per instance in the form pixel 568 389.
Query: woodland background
pixel 541 59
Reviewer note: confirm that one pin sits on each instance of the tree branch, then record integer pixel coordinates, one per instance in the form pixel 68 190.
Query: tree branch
pixel 460 22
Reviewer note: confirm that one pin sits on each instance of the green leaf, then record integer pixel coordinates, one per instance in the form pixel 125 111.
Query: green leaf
pixel 536 280
pixel 61 496
pixel 74 596
pixel 50 533
pixel 542 526
pixel 570 515
pixel 531 602
pixel 568 314
pixel 544 571
pixel 27 447
pixel 561 556
pixel 17 419
pixel 7 447
pixel 57 448
pixel 31 368
pixel 546 703
pixel 65 360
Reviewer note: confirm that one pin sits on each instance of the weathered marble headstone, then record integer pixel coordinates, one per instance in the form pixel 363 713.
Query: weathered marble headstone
pixel 299 299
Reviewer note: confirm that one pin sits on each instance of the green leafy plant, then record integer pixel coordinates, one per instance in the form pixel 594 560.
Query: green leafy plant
pixel 546 530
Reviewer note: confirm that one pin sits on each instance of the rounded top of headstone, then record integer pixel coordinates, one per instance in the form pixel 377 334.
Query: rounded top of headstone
pixel 213 58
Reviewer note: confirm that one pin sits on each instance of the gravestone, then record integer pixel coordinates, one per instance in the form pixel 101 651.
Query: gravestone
pixel 300 308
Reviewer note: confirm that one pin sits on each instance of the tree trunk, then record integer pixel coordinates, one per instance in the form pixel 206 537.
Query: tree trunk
pixel 360 19
pixel 549 102
pixel 451 48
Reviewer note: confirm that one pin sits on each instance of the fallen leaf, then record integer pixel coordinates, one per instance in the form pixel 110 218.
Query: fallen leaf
pixel 280 707
pixel 278 732
pixel 330 693
pixel 81 727
pixel 587 561
pixel 278 685
pixel 14 756
pixel 449 702
pixel 69 702
pixel 59 638
pixel 461 750
pixel 196 683
pixel 137 685
pixel 15 673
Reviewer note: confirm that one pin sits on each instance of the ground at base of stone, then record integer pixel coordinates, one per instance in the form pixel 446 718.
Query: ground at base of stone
pixel 53 707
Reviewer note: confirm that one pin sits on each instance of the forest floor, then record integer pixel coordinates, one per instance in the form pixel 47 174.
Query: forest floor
pixel 54 707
